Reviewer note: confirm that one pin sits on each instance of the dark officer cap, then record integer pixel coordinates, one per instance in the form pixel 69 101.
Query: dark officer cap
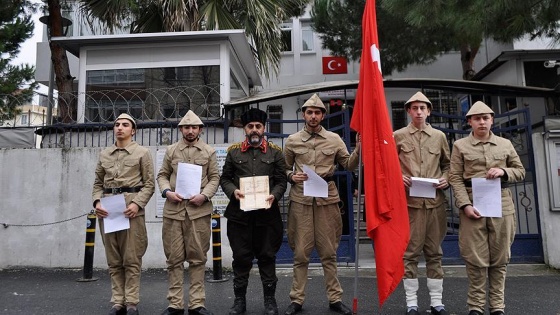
pixel 253 114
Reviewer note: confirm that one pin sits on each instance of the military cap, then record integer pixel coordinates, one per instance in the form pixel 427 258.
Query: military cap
pixel 480 108
pixel 191 119
pixel 253 114
pixel 127 117
pixel 314 101
pixel 418 97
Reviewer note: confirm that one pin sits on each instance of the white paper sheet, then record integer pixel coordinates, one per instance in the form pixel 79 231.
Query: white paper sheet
pixel 487 197
pixel 189 178
pixel 423 187
pixel 314 186
pixel 115 221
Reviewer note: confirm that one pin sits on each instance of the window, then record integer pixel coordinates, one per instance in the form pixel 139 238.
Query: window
pixel 286 29
pixel 442 102
pixel 24 119
pixel 398 115
pixel 274 112
pixel 307 37
pixel 153 93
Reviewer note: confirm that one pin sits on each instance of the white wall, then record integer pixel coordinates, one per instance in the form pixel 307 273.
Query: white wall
pixel 550 220
pixel 51 185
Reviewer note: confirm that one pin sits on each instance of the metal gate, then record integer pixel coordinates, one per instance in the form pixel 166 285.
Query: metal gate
pixel 515 126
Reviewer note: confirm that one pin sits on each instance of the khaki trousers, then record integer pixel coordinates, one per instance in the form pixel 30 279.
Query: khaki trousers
pixel 427 231
pixel 124 250
pixel 187 240
pixel 318 227
pixel 485 246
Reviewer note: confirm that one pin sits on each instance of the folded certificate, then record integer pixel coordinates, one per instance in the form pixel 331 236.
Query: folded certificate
pixel 423 187
pixel 256 191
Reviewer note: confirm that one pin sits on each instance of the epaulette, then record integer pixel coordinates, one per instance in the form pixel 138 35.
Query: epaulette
pixel 274 146
pixel 234 146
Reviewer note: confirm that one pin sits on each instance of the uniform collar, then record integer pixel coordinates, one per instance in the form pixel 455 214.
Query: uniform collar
pixel 129 148
pixel 493 139
pixel 306 135
pixel 246 146
pixel 427 130
pixel 183 145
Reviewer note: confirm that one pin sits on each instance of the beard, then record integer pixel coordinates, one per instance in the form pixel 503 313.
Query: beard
pixel 254 138
pixel 190 138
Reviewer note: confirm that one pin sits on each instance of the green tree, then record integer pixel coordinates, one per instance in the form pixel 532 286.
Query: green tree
pixel 16 81
pixel 67 107
pixel 463 25
pixel 261 20
pixel 339 25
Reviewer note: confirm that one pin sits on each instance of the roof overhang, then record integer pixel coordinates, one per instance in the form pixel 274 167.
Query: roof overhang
pixel 518 54
pixel 236 38
pixel 459 86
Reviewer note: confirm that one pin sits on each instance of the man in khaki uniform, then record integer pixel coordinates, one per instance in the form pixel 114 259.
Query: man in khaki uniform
pixel 314 221
pixel 186 219
pixel 484 242
pixel 125 168
pixel 423 152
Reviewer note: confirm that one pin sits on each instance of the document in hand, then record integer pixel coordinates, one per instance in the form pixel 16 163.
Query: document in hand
pixel 115 221
pixel 487 197
pixel 189 178
pixel 256 190
pixel 314 186
pixel 423 187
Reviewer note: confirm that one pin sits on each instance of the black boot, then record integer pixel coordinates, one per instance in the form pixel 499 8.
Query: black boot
pixel 270 307
pixel 240 303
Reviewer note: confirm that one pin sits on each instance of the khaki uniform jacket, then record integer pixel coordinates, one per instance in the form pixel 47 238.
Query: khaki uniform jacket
pixel 423 153
pixel 472 158
pixel 321 152
pixel 131 166
pixel 199 154
pixel 254 162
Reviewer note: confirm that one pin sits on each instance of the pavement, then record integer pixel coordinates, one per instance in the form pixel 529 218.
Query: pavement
pixel 530 289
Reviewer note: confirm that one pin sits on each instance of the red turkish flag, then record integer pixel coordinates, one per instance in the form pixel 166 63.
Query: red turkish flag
pixel 385 199
pixel 334 65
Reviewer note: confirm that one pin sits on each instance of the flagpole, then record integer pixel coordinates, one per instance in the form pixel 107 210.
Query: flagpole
pixel 356 265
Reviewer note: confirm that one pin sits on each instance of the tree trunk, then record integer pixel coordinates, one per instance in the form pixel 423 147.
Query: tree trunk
pixel 66 102
pixel 468 53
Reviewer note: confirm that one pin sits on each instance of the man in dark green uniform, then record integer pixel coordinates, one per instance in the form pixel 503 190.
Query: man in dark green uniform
pixel 256 233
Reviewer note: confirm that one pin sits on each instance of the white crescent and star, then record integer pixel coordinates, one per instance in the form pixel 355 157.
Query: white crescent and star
pixel 329 65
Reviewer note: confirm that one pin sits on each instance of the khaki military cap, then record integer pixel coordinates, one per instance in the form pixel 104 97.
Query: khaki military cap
pixel 191 119
pixel 314 101
pixel 127 117
pixel 418 97
pixel 480 108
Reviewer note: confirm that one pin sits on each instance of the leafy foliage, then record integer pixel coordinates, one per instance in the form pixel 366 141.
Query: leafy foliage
pixel 416 32
pixel 16 86
pixel 339 24
pixel 261 20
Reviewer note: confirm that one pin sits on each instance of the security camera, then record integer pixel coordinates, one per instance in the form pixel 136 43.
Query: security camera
pixel 550 63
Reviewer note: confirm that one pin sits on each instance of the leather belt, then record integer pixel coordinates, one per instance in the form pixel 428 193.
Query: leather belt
pixel 120 190
pixel 328 178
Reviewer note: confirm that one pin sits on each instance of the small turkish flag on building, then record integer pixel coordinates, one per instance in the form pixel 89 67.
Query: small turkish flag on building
pixel 334 65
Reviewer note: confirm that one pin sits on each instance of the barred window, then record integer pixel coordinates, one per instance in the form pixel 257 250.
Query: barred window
pixel 274 112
